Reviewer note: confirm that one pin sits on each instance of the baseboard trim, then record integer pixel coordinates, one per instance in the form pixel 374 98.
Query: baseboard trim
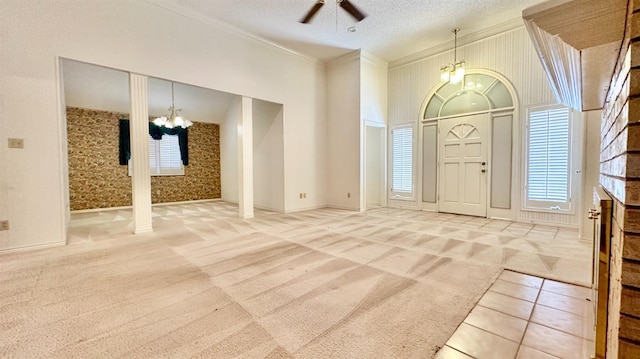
pixel 344 208
pixel 264 208
pixel 33 247
pixel 152 205
pixel 91 210
pixel 305 209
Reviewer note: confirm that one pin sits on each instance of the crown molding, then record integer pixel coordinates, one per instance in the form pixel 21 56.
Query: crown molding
pixel 348 57
pixel 371 58
pixel 462 41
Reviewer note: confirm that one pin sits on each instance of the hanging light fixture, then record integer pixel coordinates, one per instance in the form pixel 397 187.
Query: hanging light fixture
pixel 453 72
pixel 173 120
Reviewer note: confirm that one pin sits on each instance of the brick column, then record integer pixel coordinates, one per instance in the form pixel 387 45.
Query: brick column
pixel 620 176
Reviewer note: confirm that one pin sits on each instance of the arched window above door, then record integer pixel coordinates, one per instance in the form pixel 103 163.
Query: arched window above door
pixel 477 93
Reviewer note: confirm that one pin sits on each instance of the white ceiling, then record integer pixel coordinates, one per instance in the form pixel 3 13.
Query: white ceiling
pixel 392 29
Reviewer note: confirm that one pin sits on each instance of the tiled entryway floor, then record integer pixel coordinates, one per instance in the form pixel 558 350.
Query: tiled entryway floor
pixel 525 317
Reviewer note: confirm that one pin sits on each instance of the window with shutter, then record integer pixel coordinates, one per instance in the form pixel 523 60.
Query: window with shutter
pixel 548 159
pixel 168 156
pixel 402 162
pixel 164 157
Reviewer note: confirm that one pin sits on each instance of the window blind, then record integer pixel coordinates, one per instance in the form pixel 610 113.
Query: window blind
pixel 402 166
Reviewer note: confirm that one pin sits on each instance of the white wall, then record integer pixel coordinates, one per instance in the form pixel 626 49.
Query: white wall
pixel 344 131
pixel 373 112
pixel 268 156
pixel 141 38
pixel 375 158
pixel 590 169
pixel 229 152
pixel 509 53
pixel 356 94
pixel 373 89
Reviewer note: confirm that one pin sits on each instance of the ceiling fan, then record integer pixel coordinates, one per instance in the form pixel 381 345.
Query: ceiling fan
pixel 345 4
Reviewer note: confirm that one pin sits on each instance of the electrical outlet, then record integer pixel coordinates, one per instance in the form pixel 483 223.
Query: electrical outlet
pixel 300 195
pixel 304 195
pixel 16 143
pixel 4 225
pixel 348 194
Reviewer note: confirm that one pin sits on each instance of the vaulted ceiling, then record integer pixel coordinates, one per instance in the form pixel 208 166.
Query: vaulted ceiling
pixel 392 29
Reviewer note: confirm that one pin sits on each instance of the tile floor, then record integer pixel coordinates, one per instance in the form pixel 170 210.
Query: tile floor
pixel 525 317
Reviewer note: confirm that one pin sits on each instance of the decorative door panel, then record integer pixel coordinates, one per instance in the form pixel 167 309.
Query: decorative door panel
pixel 463 163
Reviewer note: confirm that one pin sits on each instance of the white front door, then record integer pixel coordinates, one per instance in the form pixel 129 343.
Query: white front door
pixel 463 164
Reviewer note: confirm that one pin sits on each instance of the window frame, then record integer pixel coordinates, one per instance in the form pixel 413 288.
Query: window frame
pixel 155 149
pixel 403 194
pixel 552 206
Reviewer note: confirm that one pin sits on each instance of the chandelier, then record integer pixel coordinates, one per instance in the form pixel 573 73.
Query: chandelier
pixel 173 120
pixel 453 72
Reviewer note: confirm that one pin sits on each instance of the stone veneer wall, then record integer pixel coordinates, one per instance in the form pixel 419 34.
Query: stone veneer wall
pixel 620 176
pixel 96 180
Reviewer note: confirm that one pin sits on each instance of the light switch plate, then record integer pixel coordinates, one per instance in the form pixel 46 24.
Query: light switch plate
pixel 16 143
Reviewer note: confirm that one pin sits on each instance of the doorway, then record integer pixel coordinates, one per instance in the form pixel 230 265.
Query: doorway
pixel 463 149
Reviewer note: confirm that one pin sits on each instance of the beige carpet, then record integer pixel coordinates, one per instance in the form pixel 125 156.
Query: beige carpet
pixel 317 284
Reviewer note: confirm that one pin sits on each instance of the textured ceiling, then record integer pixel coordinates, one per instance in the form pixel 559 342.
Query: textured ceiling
pixel 392 29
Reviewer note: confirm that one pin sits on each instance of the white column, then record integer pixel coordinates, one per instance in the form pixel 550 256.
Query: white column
pixel 139 132
pixel 245 159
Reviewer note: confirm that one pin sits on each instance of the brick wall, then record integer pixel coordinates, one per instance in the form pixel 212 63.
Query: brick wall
pixel 620 176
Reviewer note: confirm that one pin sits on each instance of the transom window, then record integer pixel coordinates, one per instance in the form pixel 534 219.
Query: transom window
pixel 477 93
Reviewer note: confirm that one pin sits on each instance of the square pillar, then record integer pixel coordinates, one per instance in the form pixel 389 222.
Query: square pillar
pixel 141 177
pixel 245 159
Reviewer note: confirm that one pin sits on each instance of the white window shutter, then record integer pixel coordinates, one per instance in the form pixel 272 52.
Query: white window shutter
pixel 402 157
pixel 153 156
pixel 548 156
pixel 170 152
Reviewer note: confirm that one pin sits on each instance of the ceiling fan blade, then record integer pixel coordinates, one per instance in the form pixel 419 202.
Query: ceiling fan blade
pixel 352 10
pixel 312 12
